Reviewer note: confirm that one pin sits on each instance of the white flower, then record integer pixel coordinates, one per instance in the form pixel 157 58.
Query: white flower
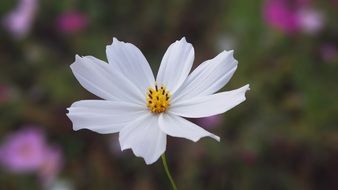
pixel 144 110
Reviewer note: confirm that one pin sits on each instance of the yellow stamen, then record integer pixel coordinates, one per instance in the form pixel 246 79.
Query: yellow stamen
pixel 158 99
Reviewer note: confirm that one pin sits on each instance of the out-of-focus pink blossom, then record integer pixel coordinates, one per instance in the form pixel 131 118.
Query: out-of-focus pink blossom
pixel 23 151
pixel 19 21
pixel 278 14
pixel 51 165
pixel 27 151
pixel 209 122
pixel 71 22
pixel 310 21
pixel 292 16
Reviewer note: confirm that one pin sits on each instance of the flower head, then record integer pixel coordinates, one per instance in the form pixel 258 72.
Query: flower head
pixel 23 151
pixel 280 14
pixel 19 21
pixel 71 22
pixel 144 110
pixel 293 16
pixel 27 151
pixel 311 21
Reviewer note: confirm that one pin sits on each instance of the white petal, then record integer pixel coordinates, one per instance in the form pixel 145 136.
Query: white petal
pixel 209 105
pixel 178 127
pixel 100 79
pixel 129 60
pixel 144 137
pixel 176 65
pixel 208 77
pixel 103 116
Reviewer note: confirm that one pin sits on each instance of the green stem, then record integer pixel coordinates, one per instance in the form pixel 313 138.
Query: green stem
pixel 165 165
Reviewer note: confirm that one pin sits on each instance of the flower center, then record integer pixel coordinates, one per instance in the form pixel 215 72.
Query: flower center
pixel 158 99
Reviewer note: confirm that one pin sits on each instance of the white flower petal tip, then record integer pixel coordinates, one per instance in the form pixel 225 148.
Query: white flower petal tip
pixel 183 39
pixel 99 78
pixel 217 138
pixel 179 54
pixel 102 116
pixel 147 161
pixel 231 54
pixel 209 77
pixel 144 137
pixel 244 89
pixel 128 60
pixel 209 105
pixel 115 39
pixel 123 148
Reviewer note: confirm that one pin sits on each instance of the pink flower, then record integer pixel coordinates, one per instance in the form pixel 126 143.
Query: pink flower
pixel 72 22
pixel 292 16
pixel 19 21
pixel 23 151
pixel 310 20
pixel 27 151
pixel 278 14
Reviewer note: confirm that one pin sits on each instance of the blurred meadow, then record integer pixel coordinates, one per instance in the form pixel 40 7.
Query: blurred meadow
pixel 284 136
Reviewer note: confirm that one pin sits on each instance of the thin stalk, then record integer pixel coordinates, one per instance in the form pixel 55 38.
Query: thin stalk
pixel 165 165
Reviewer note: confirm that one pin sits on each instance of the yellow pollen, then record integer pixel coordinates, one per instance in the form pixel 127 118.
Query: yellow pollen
pixel 158 99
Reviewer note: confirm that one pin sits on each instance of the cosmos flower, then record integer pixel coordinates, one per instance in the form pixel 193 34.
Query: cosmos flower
pixel 71 22
pixel 23 151
pixel 26 151
pixel 144 110
pixel 280 14
pixel 293 16
pixel 19 21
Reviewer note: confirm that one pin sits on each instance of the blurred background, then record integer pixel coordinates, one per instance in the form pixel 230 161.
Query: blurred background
pixel 284 136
